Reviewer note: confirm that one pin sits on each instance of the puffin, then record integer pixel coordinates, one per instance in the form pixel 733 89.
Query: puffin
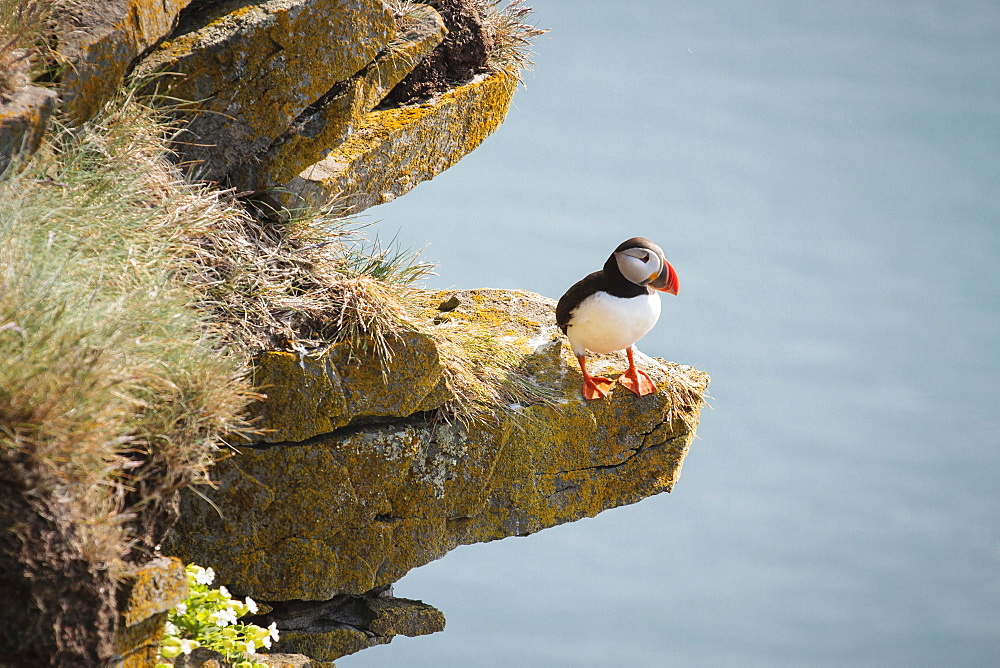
pixel 613 308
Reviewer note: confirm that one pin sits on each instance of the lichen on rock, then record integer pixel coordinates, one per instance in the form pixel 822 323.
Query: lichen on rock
pixel 97 42
pixel 393 150
pixel 354 509
pixel 314 394
pixel 253 67
pixel 146 595
pixel 328 121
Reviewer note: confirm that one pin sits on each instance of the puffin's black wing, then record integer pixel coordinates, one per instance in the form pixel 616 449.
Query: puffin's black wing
pixel 576 294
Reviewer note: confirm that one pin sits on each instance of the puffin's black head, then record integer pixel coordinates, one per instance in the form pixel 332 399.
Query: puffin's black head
pixel 641 261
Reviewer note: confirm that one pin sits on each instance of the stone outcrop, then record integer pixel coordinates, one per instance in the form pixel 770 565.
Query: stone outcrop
pixel 348 624
pixel 144 599
pixel 23 119
pixel 393 150
pixel 97 43
pixel 252 68
pixel 301 101
pixel 327 122
pixel 283 93
pixel 355 499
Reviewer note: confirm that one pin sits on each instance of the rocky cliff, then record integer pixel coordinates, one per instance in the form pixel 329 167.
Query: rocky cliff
pixel 357 479
pixel 278 97
pixel 365 465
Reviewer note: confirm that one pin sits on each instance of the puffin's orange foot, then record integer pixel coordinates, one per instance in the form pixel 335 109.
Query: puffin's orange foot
pixel 596 387
pixel 638 381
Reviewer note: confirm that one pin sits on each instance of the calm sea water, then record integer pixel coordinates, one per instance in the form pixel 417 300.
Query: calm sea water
pixel 826 179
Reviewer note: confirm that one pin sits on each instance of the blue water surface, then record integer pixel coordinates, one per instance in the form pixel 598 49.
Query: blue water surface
pixel 825 177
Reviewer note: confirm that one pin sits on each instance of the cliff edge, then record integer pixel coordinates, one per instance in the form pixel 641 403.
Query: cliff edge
pixel 335 505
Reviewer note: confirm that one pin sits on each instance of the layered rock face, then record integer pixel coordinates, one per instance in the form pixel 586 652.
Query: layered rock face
pixel 328 121
pixel 252 68
pixel 277 97
pixel 455 124
pixel 283 94
pixel 358 482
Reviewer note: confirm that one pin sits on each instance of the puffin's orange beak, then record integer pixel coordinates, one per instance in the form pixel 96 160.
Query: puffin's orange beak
pixel 667 280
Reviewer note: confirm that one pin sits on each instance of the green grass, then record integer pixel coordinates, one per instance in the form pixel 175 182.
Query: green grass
pixel 115 386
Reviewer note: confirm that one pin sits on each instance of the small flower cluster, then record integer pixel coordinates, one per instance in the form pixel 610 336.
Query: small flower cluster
pixel 208 618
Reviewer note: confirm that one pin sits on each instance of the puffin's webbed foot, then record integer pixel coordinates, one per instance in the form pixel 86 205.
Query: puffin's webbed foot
pixel 596 387
pixel 635 379
pixel 638 381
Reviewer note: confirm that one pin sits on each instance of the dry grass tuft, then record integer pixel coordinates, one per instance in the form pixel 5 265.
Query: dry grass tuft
pixel 511 36
pixel 317 281
pixel 22 25
pixel 485 373
pixel 369 314
pixel 115 389
pixel 305 284
pixel 401 9
pixel 686 396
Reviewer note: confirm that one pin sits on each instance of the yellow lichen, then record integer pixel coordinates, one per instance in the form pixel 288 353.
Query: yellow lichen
pixel 250 73
pixel 335 119
pixel 98 59
pixel 386 498
pixel 392 150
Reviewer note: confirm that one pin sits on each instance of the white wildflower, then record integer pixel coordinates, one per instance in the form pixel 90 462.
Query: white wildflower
pixel 271 633
pixel 204 576
pixel 223 617
pixel 188 645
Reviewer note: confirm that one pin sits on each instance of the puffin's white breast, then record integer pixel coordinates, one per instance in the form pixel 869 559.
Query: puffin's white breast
pixel 603 323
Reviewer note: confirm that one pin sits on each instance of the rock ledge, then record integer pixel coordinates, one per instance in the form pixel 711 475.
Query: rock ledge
pixel 346 512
